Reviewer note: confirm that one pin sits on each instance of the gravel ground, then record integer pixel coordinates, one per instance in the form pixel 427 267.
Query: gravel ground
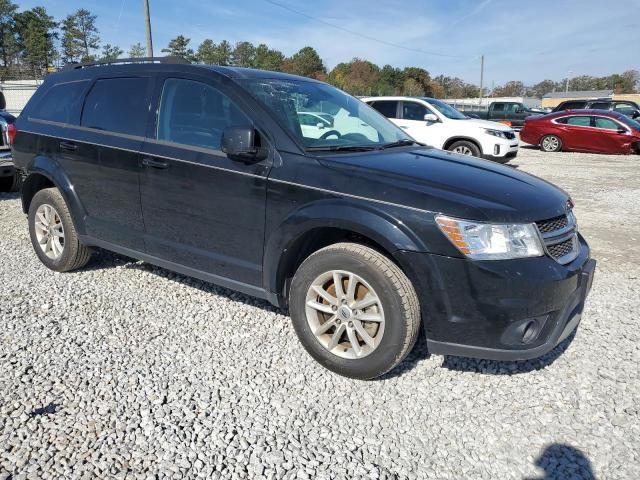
pixel 124 370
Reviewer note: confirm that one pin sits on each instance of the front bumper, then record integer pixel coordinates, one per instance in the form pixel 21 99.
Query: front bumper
pixel 499 310
pixel 7 168
pixel 499 149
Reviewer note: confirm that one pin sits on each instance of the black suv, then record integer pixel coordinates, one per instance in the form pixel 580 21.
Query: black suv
pixel 362 233
pixel 626 107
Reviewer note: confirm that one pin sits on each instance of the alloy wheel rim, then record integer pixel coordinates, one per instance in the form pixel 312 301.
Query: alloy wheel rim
pixel 463 150
pixel 550 143
pixel 49 231
pixel 345 314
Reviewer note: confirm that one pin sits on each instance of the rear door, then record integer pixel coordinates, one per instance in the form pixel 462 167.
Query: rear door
pixel 201 209
pixel 106 151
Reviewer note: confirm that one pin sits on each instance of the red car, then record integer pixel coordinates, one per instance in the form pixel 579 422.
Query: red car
pixel 583 130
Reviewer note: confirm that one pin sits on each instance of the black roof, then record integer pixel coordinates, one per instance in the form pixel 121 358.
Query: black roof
pixel 133 66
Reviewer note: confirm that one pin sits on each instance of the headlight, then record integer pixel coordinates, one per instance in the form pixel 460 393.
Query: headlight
pixel 485 241
pixel 495 133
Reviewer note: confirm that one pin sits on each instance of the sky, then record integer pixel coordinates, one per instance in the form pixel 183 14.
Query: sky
pixel 521 40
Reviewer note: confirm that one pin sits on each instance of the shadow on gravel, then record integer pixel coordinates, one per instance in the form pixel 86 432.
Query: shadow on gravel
pixel 560 461
pixel 493 367
pixel 9 196
pixel 417 354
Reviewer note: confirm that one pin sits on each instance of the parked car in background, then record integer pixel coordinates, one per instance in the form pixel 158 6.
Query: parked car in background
pixel 595 131
pixel 9 180
pixel 509 113
pixel 365 238
pixel 314 124
pixel 436 123
pixel 626 107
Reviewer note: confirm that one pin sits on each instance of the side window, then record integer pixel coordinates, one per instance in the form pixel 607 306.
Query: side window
pixel 600 105
pixel 573 105
pixel 562 120
pixel 117 105
pixel 387 108
pixel 413 111
pixel 498 107
pixel 624 108
pixel 196 114
pixel 579 121
pixel 308 120
pixel 61 103
pixel 606 123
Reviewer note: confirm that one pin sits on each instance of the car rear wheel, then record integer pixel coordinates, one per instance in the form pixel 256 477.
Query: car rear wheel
pixel 53 235
pixel 551 143
pixel 464 147
pixel 354 310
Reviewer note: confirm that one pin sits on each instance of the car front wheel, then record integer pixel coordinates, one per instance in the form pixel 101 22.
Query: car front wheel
pixel 464 147
pixel 354 310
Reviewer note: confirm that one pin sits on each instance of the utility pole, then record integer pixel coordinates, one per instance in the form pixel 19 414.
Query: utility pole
pixel 566 86
pixel 481 79
pixel 147 19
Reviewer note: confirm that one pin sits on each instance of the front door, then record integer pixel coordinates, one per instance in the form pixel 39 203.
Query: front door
pixel 202 210
pixel 610 138
pixel 413 122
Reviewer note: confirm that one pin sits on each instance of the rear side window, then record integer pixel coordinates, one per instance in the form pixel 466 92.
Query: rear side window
pixel 117 105
pixel 61 103
pixel 413 111
pixel 573 105
pixel 387 108
pixel 498 107
pixel 196 114
pixel 579 121
pixel 624 108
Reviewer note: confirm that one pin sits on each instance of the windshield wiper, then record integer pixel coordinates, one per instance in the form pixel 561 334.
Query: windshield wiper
pixel 399 143
pixel 341 148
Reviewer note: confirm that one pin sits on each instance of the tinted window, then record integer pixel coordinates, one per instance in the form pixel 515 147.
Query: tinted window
pixel 498 107
pixel 562 120
pixel 193 113
pixel 624 108
pixel 606 123
pixel 580 121
pixel 600 105
pixel 572 105
pixel 61 103
pixel 386 108
pixel 413 111
pixel 117 105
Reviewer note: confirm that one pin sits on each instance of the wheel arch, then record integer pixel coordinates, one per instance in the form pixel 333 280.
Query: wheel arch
pixel 313 227
pixel 457 138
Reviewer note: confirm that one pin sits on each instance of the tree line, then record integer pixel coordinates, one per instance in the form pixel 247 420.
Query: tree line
pixel 33 43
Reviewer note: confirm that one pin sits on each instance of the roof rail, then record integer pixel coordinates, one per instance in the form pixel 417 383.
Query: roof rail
pixel 171 59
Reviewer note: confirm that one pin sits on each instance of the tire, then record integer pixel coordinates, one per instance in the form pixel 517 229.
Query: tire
pixel 550 143
pixel 464 147
pixel 69 254
pixel 391 323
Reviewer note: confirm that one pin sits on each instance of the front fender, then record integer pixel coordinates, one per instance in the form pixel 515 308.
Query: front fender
pixel 380 226
pixel 51 170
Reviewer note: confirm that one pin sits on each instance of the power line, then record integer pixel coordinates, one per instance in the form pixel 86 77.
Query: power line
pixel 352 32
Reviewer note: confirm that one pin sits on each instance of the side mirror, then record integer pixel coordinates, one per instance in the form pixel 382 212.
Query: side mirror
pixel 241 143
pixel 635 114
pixel 622 130
pixel 430 117
pixel 519 110
pixel 320 125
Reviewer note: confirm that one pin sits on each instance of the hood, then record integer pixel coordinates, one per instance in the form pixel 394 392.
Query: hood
pixel 444 182
pixel 486 124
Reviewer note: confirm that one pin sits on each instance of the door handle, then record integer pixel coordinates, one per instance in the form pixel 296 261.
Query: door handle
pixel 70 147
pixel 150 162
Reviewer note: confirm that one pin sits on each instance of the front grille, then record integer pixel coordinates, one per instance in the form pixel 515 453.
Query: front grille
pixel 556 223
pixel 561 249
pixel 560 238
pixel 510 135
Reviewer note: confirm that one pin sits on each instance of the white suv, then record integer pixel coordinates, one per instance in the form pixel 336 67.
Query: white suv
pixel 440 125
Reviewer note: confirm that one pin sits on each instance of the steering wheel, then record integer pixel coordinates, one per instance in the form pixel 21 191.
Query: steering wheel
pixel 326 135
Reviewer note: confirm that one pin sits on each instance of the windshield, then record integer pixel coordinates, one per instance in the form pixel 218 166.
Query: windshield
pixel 632 123
pixel 447 110
pixel 321 116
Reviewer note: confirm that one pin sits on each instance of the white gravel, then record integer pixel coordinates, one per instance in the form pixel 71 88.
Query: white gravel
pixel 124 370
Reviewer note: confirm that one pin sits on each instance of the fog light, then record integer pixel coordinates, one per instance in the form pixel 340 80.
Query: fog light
pixel 496 150
pixel 531 331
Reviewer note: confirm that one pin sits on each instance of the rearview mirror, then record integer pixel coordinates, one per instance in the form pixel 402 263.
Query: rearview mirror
pixel 242 144
pixel 430 117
